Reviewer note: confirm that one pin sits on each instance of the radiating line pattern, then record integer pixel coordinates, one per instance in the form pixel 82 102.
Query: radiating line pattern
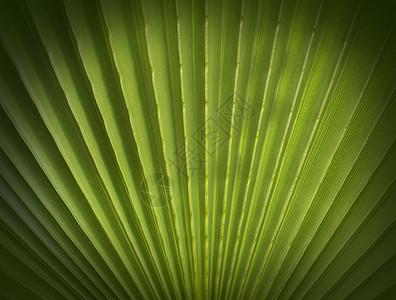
pixel 193 149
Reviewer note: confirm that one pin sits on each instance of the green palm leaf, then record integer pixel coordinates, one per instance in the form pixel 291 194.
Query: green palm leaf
pixel 197 149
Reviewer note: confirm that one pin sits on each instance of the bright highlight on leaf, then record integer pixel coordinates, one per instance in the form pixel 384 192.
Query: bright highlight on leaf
pixel 197 149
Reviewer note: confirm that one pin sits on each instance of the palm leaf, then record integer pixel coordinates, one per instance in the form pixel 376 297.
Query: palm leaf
pixel 197 149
